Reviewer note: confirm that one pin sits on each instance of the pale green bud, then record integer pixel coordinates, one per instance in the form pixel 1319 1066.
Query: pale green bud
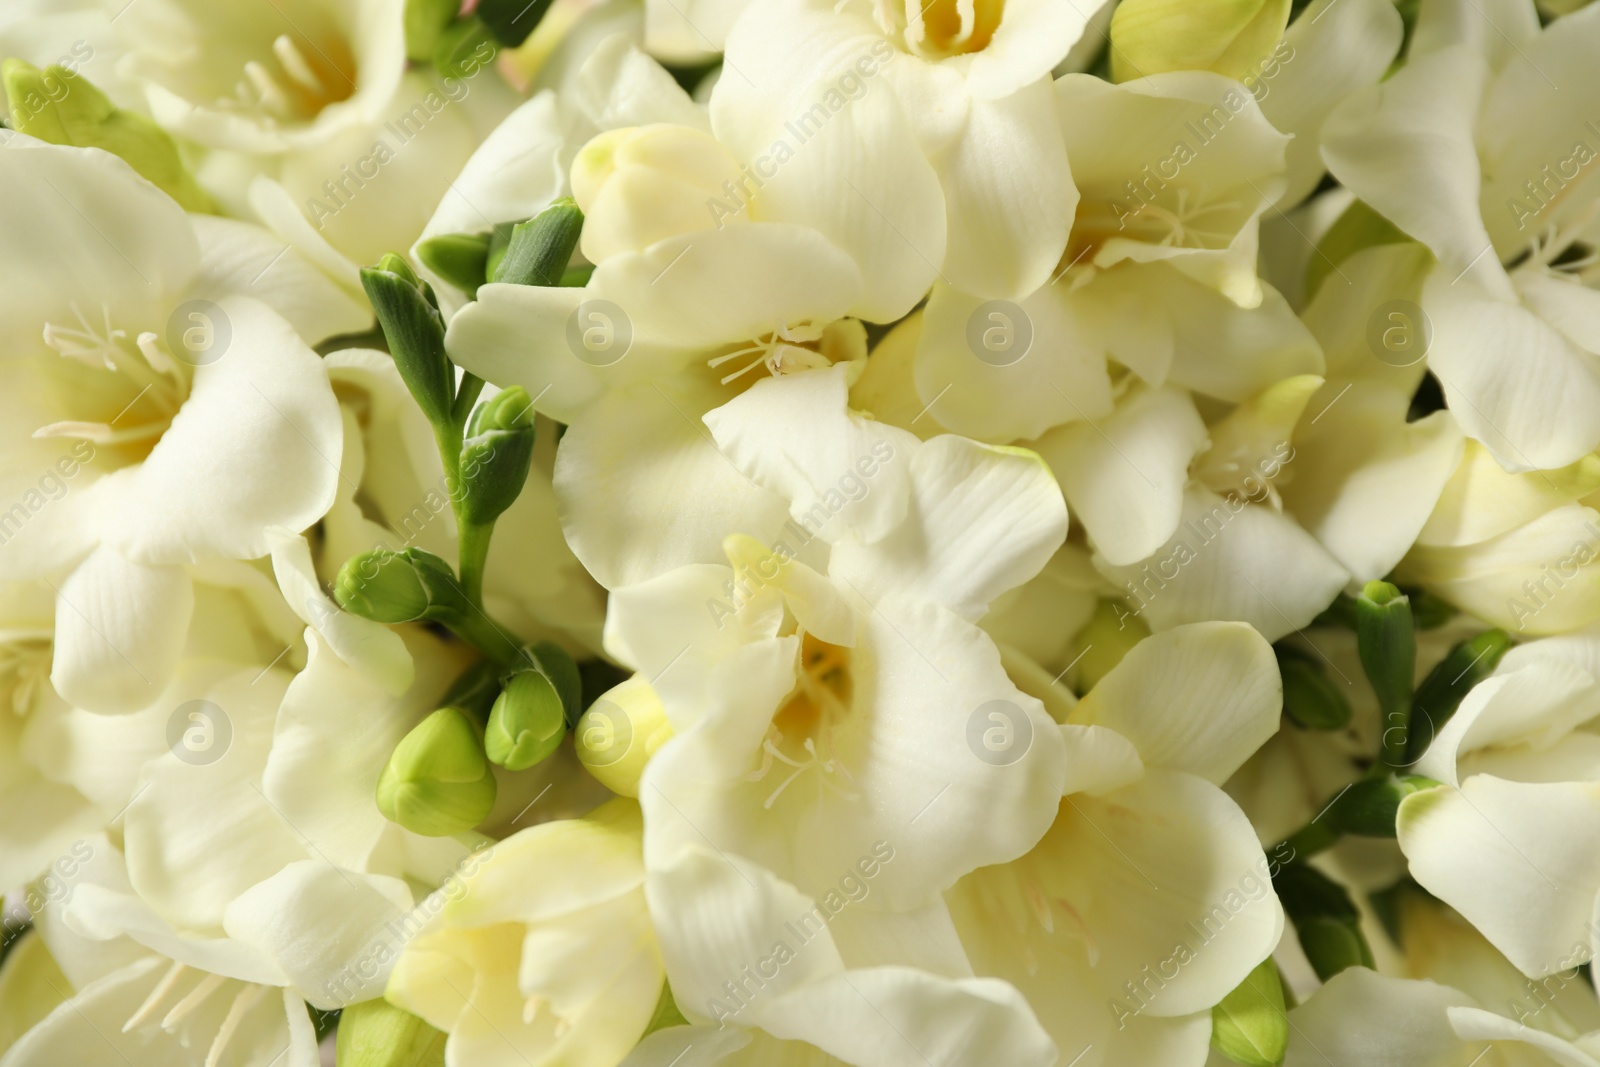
pixel 619 733
pixel 563 674
pixel 425 23
pixel 1442 691
pixel 438 781
pixel 378 1034
pixel 412 325
pixel 540 248
pixel 392 587
pixel 1230 37
pixel 496 454
pixel 63 107
pixel 462 259
pixel 527 722
pixel 1249 1025
pixel 1386 641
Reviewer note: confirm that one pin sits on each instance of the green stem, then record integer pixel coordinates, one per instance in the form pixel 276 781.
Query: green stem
pixel 477 629
pixel 474 540
pixel 466 396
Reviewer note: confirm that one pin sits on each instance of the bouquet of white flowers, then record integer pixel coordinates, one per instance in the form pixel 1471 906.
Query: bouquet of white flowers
pixel 671 533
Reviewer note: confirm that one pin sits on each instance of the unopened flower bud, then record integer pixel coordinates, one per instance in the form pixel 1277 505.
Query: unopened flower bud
pixel 1230 37
pixel 496 454
pixel 462 259
pixel 392 587
pixel 620 732
pixel 409 316
pixel 75 112
pixel 527 722
pixel 541 247
pixel 375 1033
pixel 1387 643
pixel 438 781
pixel 1311 699
pixel 1249 1025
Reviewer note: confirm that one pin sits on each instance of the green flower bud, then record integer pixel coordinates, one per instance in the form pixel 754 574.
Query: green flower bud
pixel 1325 918
pixel 1249 1025
pixel 511 21
pixel 1388 648
pixel 1441 692
pixel 496 454
pixel 438 781
pixel 464 47
pixel 1231 37
pixel 409 316
pixel 425 23
pixel 378 1034
pixel 1100 645
pixel 527 722
pixel 1311 700
pixel 74 112
pixel 459 258
pixel 1368 808
pixel 393 587
pixel 541 247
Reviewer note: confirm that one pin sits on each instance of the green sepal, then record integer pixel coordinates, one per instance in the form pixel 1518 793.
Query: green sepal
pixel 540 248
pixel 72 111
pixel 409 315
pixel 564 675
pixel 1250 1026
pixel 666 1013
pixel 1311 700
pixel 1442 691
pixel 1368 807
pixel 462 259
pixel 1386 641
pixel 375 1033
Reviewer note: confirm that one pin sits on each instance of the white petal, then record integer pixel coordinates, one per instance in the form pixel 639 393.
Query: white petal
pixel 1330 50
pixel 371 647
pixel 797 437
pixel 1521 862
pixel 1512 381
pixel 974 375
pixel 1200 698
pixel 982 520
pixel 1232 560
pixel 80 226
pixel 120 626
pixel 1009 195
pixel 1495 29
pixel 1124 475
pixel 1366 480
pixel 238 259
pixel 900 1017
pixel 1475 1024
pixel 315 921
pixel 1364 1019
pixel 256 445
pixel 643 488
pixel 1405 146
pixel 1032 39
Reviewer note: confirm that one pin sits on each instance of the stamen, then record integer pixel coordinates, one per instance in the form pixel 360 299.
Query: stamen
pixel 157 995
pixel 230 1024
pixel 295 65
pixel 271 96
pixel 197 996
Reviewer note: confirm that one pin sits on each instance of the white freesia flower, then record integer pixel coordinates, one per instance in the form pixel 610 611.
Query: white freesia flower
pixel 1149 899
pixel 921 138
pixel 1517 550
pixel 1159 275
pixel 803 677
pixel 1472 149
pixel 199 450
pixel 1504 839
pixel 1364 1019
